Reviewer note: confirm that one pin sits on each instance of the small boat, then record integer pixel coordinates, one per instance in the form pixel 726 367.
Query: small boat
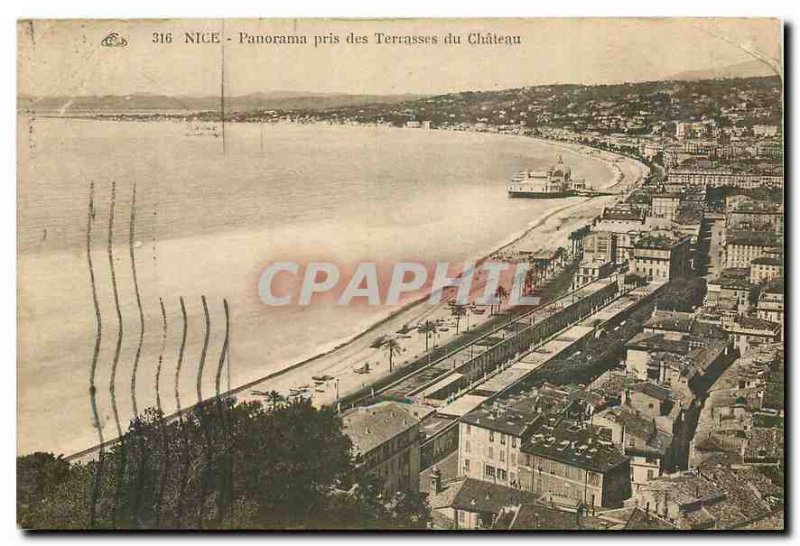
pixel 322 377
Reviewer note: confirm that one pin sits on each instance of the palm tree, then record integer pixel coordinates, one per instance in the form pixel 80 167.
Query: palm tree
pixel 275 399
pixel 392 347
pixel 429 329
pixel 500 294
pixel 459 310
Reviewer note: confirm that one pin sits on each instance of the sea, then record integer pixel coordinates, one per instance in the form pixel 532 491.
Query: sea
pixel 209 214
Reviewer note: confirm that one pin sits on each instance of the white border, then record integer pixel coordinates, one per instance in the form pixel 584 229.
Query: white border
pixel 308 8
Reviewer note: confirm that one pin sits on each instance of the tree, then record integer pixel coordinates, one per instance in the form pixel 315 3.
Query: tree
pixel 500 295
pixel 429 329
pixel 458 311
pixel 683 294
pixel 287 468
pixel 391 347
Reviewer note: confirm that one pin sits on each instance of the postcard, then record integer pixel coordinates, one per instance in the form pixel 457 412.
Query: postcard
pixel 443 274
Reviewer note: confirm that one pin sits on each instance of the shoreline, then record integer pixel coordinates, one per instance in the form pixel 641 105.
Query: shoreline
pixel 401 315
pixel 347 350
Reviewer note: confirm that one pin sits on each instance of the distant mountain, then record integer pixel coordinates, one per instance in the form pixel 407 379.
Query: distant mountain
pixel 747 69
pixel 273 100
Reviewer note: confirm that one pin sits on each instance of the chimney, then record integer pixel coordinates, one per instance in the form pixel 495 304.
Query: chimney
pixel 436 481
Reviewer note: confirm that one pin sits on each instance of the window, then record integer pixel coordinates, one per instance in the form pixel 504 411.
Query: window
pixel 501 474
pixel 460 516
pixel 502 439
pixel 491 436
pixel 489 471
pixel 513 441
pixel 650 474
pixel 467 446
pixel 490 451
pixel 502 456
pixel 466 466
pixel 469 428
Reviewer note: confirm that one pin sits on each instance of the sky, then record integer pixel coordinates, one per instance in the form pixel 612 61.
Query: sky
pixel 66 58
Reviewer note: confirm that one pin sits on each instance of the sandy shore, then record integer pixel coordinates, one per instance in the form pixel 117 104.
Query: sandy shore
pixel 546 233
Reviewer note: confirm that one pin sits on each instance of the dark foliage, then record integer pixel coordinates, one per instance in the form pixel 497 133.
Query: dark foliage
pixel 683 294
pixel 223 466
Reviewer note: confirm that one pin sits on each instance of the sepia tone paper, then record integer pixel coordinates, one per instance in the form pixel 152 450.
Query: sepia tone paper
pixel 511 274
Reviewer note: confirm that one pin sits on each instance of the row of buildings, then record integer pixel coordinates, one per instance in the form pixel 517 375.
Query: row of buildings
pixel 681 427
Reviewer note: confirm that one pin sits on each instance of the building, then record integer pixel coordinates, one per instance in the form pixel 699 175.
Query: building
pixel 568 464
pixel 438 439
pixel 622 224
pixel 742 247
pixel 386 440
pixel 770 304
pixel 589 271
pixel 554 182
pixel 491 435
pixel 730 291
pixel 466 503
pixel 693 361
pixel 765 268
pixel 766 130
pixel 750 215
pixel 665 205
pixel 708 498
pixel 719 177
pixel 661 256
pixel 738 404
pixel 640 439
pixel 672 324
pixel 600 246
pixel 537 517
pixel 749 332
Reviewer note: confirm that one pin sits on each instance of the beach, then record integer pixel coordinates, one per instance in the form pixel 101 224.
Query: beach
pixel 206 224
pixel 340 364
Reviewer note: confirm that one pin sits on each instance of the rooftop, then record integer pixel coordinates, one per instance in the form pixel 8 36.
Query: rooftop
pixel 372 426
pixel 622 212
pixel 673 321
pixel 638 426
pixel 576 445
pixel 714 496
pixel 515 413
pixel 766 260
pixel 647 521
pixel 753 238
pixel 653 342
pixel 652 389
pixel 545 518
pixel 754 324
pixel 659 241
pixel 478 496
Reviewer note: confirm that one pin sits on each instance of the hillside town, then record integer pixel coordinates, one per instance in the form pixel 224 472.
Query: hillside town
pixel 645 391
pixel 649 393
